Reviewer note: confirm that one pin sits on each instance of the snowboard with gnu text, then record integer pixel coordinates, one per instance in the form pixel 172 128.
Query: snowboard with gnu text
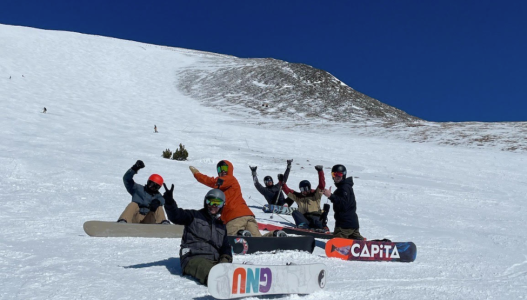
pixel 227 281
pixel 277 209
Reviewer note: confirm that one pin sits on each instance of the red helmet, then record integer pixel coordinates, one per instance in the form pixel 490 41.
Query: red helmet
pixel 156 178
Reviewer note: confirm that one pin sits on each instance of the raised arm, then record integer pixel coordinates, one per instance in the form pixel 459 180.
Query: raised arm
pixel 321 178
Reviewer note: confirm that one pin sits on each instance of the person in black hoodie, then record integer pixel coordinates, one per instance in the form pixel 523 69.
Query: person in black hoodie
pixel 344 205
pixel 270 191
pixel 204 243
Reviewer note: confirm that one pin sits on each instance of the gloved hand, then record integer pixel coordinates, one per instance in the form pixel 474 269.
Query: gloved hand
pixel 318 167
pixel 138 165
pixel 154 205
pixel 253 170
pixel 224 258
pixel 280 177
pixel 169 195
pixel 289 161
pixel 193 170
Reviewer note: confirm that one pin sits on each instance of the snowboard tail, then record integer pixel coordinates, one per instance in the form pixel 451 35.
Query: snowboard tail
pixel 298 231
pixel 114 229
pixel 361 250
pixel 249 245
pixel 278 209
pixel 228 281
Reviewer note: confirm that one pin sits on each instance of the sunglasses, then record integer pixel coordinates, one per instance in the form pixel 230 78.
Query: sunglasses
pixel 223 169
pixel 214 202
pixel 304 189
pixel 337 174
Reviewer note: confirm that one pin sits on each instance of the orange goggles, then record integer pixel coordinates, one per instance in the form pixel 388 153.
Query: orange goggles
pixel 337 174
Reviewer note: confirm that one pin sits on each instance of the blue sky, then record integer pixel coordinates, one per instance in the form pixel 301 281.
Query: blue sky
pixel 438 60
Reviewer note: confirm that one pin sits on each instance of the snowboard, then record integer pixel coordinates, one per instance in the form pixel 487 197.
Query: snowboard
pixel 228 281
pixel 284 210
pixel 298 231
pixel 249 245
pixel 347 249
pixel 114 229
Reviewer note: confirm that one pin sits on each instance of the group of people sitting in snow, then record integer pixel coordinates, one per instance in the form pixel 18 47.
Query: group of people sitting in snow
pixel 225 212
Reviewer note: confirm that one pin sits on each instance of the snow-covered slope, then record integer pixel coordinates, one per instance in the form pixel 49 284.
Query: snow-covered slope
pixel 463 208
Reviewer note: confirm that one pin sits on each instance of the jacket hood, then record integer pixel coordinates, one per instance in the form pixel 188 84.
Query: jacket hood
pixel 231 167
pixel 348 181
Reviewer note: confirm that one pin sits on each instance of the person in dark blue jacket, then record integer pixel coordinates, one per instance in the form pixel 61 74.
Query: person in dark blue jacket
pixel 147 203
pixel 344 205
pixel 204 242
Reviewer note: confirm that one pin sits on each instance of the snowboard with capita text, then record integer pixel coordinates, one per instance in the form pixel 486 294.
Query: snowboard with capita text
pixel 318 234
pixel 114 229
pixel 249 245
pixel 227 281
pixel 277 209
pixel 347 249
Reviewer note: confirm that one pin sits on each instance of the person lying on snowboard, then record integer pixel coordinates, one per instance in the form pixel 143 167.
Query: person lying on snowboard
pixel 147 203
pixel 344 205
pixel 309 214
pixel 270 191
pixel 204 242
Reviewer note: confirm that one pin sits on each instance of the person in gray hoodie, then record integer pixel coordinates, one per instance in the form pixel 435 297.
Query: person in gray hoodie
pixel 147 203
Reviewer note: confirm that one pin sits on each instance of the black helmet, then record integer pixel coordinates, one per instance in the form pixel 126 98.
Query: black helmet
pixel 338 169
pixel 214 197
pixel 268 178
pixel 305 186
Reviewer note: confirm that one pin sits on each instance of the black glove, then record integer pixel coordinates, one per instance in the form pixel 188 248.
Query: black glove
pixel 280 177
pixel 154 205
pixel 169 195
pixel 318 167
pixel 224 258
pixel 253 170
pixel 289 161
pixel 138 165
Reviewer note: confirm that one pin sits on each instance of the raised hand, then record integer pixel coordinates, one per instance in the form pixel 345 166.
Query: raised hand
pixel 253 170
pixel 169 194
pixel 318 167
pixel 138 165
pixel 193 170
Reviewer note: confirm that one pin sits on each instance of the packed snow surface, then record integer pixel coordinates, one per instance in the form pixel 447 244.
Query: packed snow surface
pixel 464 208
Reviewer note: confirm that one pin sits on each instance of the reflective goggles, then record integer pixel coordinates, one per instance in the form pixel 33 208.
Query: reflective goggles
pixel 304 189
pixel 337 174
pixel 223 169
pixel 268 180
pixel 153 186
pixel 214 202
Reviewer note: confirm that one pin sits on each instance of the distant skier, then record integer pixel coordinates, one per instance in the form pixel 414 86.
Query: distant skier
pixel 45 110
pixel 147 203
pixel 309 214
pixel 155 128
pixel 236 215
pixel 270 191
pixel 204 243
pixel 344 205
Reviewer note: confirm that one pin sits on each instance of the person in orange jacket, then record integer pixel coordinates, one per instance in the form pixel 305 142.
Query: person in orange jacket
pixel 236 215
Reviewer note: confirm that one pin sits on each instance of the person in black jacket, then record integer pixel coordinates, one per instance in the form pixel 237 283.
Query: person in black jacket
pixel 344 205
pixel 270 191
pixel 204 242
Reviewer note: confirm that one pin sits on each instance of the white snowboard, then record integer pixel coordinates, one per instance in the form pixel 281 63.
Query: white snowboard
pixel 227 281
pixel 114 229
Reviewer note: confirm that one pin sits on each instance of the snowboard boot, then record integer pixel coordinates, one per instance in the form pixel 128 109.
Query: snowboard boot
pixel 121 221
pixel 303 226
pixel 244 233
pixel 279 233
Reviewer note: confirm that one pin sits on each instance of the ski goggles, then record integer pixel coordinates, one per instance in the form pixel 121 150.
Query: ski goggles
pixel 153 186
pixel 304 189
pixel 223 169
pixel 214 202
pixel 268 180
pixel 337 174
